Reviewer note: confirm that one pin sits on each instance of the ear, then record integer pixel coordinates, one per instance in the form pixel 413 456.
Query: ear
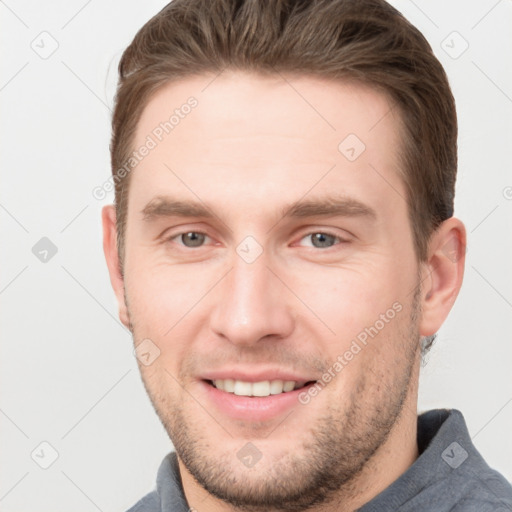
pixel 442 274
pixel 108 218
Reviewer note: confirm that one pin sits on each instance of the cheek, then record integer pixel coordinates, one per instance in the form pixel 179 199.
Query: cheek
pixel 164 304
pixel 371 322
pixel 348 300
pixel 162 291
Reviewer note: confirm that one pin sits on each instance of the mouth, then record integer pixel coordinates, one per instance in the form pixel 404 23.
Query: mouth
pixel 260 389
pixel 252 399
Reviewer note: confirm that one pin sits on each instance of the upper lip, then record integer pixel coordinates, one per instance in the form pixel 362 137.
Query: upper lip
pixel 256 375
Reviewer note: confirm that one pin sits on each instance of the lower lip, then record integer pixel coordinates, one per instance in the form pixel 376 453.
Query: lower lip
pixel 253 408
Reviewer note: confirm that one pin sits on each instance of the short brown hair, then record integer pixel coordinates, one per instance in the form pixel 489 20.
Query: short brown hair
pixel 363 40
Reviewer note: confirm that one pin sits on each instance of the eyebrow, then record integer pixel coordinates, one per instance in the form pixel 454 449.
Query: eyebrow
pixel 331 206
pixel 164 206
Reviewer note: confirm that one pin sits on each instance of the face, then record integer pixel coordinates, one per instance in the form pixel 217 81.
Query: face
pixel 269 253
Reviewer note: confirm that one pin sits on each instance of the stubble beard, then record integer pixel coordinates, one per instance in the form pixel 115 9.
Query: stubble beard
pixel 324 465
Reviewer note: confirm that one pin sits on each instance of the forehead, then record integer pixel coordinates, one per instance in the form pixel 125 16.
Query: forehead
pixel 246 131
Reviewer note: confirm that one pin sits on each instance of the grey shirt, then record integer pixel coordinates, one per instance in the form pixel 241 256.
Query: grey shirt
pixel 448 476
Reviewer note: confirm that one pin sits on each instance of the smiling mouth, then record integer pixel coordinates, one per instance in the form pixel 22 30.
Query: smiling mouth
pixel 257 389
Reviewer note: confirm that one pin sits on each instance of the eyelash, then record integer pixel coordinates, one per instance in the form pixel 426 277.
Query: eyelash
pixel 339 239
pixel 328 233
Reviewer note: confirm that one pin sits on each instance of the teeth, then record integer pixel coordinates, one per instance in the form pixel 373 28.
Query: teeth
pixel 243 388
pixel 229 385
pixel 289 385
pixel 276 387
pixel 263 388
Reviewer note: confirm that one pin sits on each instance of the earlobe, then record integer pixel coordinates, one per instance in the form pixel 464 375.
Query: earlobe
pixel 442 274
pixel 108 217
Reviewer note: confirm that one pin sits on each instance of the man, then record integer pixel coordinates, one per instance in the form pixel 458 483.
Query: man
pixel 283 249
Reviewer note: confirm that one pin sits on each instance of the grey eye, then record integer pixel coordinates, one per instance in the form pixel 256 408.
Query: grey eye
pixel 322 240
pixel 192 239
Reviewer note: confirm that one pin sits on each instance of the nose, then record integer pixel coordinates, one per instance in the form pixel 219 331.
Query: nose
pixel 251 304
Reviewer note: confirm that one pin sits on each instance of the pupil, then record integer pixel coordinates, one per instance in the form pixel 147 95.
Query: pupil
pixel 192 239
pixel 323 240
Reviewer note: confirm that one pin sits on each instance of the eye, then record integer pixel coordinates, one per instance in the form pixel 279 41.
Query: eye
pixel 322 240
pixel 190 238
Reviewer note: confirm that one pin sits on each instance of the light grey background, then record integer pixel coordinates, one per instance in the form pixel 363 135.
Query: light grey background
pixel 68 375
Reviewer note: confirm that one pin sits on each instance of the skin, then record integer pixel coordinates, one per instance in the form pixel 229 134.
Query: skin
pixel 250 148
